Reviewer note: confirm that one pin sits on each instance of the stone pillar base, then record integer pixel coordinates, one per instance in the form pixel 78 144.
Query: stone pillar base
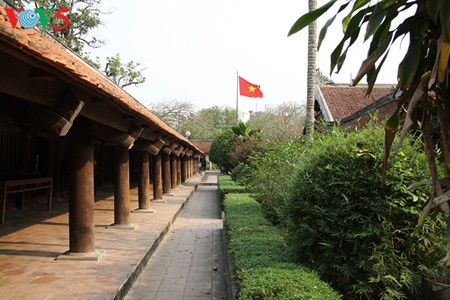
pixel 73 256
pixel 143 210
pixel 123 226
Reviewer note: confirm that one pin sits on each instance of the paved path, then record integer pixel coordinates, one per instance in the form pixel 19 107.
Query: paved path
pixel 189 263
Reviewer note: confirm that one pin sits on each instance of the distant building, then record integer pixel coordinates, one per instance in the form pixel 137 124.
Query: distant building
pixel 350 105
pixel 205 147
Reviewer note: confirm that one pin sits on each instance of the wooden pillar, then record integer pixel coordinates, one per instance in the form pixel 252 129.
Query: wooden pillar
pixel 81 188
pixel 165 160
pixel 157 177
pixel 188 166
pixel 173 171
pixel 121 186
pixel 183 169
pixel 178 170
pixel 144 180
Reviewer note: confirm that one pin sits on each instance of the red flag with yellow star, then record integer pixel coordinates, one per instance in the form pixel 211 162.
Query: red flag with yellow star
pixel 249 89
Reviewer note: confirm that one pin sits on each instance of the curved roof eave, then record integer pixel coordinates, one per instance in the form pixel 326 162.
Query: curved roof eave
pixel 44 48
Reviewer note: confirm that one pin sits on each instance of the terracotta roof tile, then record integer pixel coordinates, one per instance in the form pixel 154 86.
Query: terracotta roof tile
pixel 36 44
pixel 344 101
pixel 205 146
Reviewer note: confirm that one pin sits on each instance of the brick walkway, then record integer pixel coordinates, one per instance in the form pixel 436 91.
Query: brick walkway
pixel 189 263
pixel 31 239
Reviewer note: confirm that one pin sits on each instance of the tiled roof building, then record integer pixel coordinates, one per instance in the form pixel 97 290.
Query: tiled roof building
pixel 347 104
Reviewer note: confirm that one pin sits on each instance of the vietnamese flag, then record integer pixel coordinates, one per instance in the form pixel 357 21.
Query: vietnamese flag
pixel 249 89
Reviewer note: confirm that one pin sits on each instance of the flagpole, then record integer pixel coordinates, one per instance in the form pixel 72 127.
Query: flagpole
pixel 237 97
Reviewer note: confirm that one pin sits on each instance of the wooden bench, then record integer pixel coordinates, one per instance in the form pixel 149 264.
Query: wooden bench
pixel 25 185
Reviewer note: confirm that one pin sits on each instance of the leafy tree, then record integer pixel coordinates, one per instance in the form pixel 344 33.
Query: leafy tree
pixel 84 17
pixel 423 74
pixel 123 74
pixel 209 122
pixel 280 123
pixel 221 146
pixel 173 112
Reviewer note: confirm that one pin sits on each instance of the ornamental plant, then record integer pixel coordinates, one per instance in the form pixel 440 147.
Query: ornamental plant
pixel 357 231
pixel 423 74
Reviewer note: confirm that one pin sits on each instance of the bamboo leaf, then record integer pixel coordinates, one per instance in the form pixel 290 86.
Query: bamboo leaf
pixel 419 93
pixel 346 21
pixel 374 23
pixel 353 32
pixel 440 64
pixel 407 69
pixel 387 3
pixel 343 56
pixel 372 79
pixel 323 31
pixel 310 17
pixel 334 57
pixel 369 62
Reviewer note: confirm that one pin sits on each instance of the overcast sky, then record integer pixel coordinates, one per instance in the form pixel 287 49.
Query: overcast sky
pixel 192 50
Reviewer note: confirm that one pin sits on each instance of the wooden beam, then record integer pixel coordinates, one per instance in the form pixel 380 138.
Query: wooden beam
pixel 69 106
pixel 143 145
pixel 36 115
pixel 149 133
pixel 152 147
pixel 173 146
pixel 166 150
pixel 112 136
pixel 135 131
pixel 177 151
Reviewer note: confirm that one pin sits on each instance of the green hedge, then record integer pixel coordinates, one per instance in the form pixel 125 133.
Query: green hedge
pixel 228 186
pixel 263 266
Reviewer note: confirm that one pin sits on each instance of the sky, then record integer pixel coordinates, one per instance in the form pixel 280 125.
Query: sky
pixel 192 50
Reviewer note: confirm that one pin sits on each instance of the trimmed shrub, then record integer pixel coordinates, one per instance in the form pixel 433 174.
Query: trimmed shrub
pixel 271 178
pixel 228 186
pixel 358 234
pixel 264 269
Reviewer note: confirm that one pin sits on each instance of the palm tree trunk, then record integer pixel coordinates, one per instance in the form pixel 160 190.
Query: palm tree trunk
pixel 311 77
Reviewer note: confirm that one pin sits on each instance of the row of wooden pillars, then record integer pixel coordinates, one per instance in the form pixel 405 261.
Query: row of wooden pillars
pixel 168 170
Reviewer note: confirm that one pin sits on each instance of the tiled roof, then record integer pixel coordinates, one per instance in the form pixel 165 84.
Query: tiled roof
pixel 205 146
pixel 38 46
pixel 344 101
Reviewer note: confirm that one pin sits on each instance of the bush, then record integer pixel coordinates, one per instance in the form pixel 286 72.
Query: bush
pixel 264 268
pixel 242 174
pixel 272 176
pixel 228 186
pixel 223 144
pixel 357 234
